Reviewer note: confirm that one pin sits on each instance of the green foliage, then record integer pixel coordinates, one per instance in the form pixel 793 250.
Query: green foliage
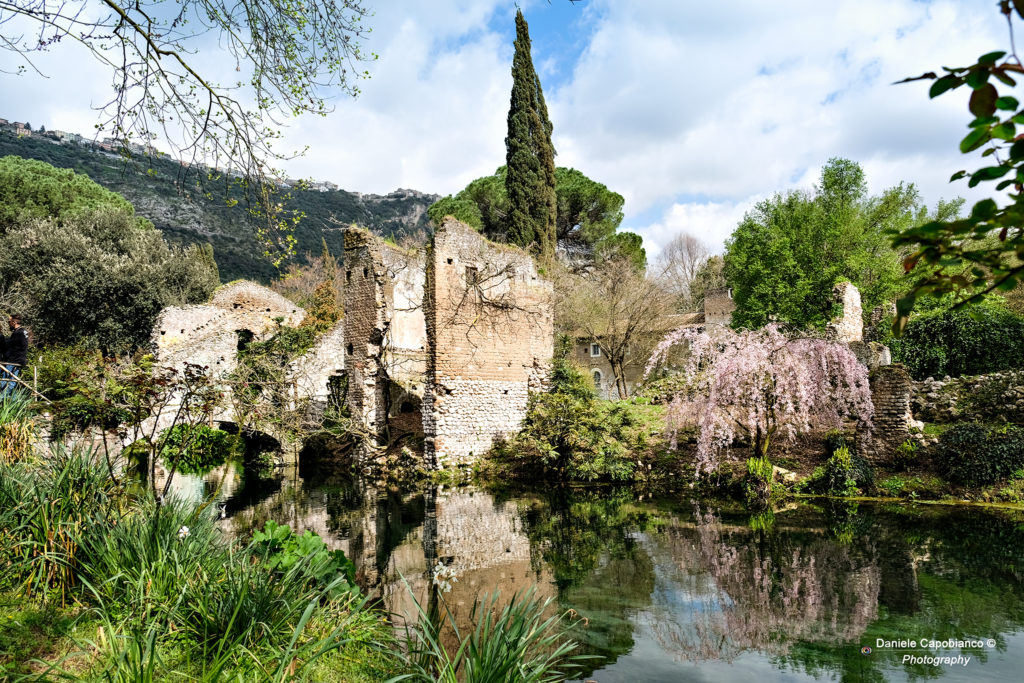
pixel 570 434
pixel 588 214
pixel 464 210
pixel 31 189
pixel 282 549
pixel 906 454
pixel 975 455
pixel 197 449
pixel 514 642
pixel 839 475
pixel 984 251
pixel 175 601
pixel 758 484
pixel 530 156
pixel 46 507
pixel 98 279
pixel 622 245
pixel 786 254
pixel 985 338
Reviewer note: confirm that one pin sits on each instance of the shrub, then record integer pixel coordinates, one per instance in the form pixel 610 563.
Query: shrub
pixel 514 643
pixel 570 434
pixel 905 455
pixel 986 338
pixel 974 455
pixel 17 428
pixel 197 449
pixel 839 473
pixel 47 509
pixel 282 550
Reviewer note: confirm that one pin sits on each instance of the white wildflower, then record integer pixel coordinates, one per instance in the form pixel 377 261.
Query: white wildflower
pixel 183 532
pixel 444 577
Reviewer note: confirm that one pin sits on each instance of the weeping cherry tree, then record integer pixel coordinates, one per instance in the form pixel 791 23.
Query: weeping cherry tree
pixel 762 385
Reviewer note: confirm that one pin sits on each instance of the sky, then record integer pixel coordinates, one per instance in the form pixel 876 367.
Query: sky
pixel 693 111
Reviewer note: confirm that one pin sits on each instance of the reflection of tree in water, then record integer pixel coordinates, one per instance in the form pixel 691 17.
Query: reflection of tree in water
pixel 948 572
pixel 590 541
pixel 735 589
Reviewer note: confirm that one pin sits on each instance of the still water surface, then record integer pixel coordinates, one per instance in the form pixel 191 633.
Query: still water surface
pixel 680 590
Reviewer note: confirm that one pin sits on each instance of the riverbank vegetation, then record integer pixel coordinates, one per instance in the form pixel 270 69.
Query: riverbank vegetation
pixel 101 581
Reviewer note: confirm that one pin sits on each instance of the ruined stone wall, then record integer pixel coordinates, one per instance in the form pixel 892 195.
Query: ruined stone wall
pixel 311 374
pixel 490 337
pixel 406 343
pixel 718 307
pixel 849 326
pixel 890 392
pixel 998 396
pixel 207 334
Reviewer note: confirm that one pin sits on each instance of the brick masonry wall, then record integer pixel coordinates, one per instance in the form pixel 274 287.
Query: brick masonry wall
pixel 365 325
pixel 890 393
pixel 490 337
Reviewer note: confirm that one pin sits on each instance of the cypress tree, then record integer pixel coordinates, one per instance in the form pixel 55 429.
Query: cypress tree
pixel 529 155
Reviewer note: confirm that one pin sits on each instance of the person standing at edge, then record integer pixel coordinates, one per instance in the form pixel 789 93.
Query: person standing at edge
pixel 15 354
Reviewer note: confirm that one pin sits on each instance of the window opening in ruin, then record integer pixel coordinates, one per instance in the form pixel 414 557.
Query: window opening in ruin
pixel 407 407
pixel 366 272
pixel 348 277
pixel 597 378
pixel 348 349
pixel 472 276
pixel 595 351
pixel 245 338
pixel 449 262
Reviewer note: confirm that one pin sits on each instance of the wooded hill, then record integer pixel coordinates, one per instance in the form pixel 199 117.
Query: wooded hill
pixel 191 217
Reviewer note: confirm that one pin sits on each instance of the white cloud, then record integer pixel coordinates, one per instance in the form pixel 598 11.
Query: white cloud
pixel 740 100
pixel 711 222
pixel 668 100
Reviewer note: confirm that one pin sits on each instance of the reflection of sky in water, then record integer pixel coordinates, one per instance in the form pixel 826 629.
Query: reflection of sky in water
pixel 679 599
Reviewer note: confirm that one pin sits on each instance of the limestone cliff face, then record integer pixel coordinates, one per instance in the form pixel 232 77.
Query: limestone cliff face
pixel 187 214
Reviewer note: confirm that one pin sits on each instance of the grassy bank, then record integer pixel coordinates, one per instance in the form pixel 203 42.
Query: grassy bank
pixel 99 582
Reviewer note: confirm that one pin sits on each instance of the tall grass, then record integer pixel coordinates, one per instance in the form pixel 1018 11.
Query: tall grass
pixel 173 599
pixel 46 509
pixel 513 644
pixel 17 428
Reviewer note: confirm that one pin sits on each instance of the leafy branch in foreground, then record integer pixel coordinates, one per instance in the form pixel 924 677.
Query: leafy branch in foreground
pixel 287 58
pixel 984 252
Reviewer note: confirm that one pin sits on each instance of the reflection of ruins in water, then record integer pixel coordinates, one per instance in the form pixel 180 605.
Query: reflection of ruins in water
pixel 703 589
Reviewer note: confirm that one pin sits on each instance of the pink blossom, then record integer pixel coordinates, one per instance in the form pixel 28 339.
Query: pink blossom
pixel 763 385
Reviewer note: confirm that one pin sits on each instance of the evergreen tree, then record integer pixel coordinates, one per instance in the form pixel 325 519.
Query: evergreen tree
pixel 330 265
pixel 529 155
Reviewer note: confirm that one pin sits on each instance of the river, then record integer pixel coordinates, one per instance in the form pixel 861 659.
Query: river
pixel 672 589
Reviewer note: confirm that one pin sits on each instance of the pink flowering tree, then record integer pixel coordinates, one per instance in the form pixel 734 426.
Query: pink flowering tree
pixel 763 385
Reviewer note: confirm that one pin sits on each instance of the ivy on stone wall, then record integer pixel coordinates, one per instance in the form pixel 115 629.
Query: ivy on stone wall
pixel 984 339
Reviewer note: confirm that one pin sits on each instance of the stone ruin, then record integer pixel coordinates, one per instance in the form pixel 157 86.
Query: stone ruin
pixel 448 341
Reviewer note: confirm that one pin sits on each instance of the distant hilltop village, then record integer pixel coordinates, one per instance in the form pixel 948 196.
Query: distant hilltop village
pixel 118 148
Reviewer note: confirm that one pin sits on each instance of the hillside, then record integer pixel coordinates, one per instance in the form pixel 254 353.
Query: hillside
pixel 191 217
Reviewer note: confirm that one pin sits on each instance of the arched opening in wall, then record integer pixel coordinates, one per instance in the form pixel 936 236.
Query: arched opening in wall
pixel 244 337
pixel 405 406
pixel 261 477
pixel 597 380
